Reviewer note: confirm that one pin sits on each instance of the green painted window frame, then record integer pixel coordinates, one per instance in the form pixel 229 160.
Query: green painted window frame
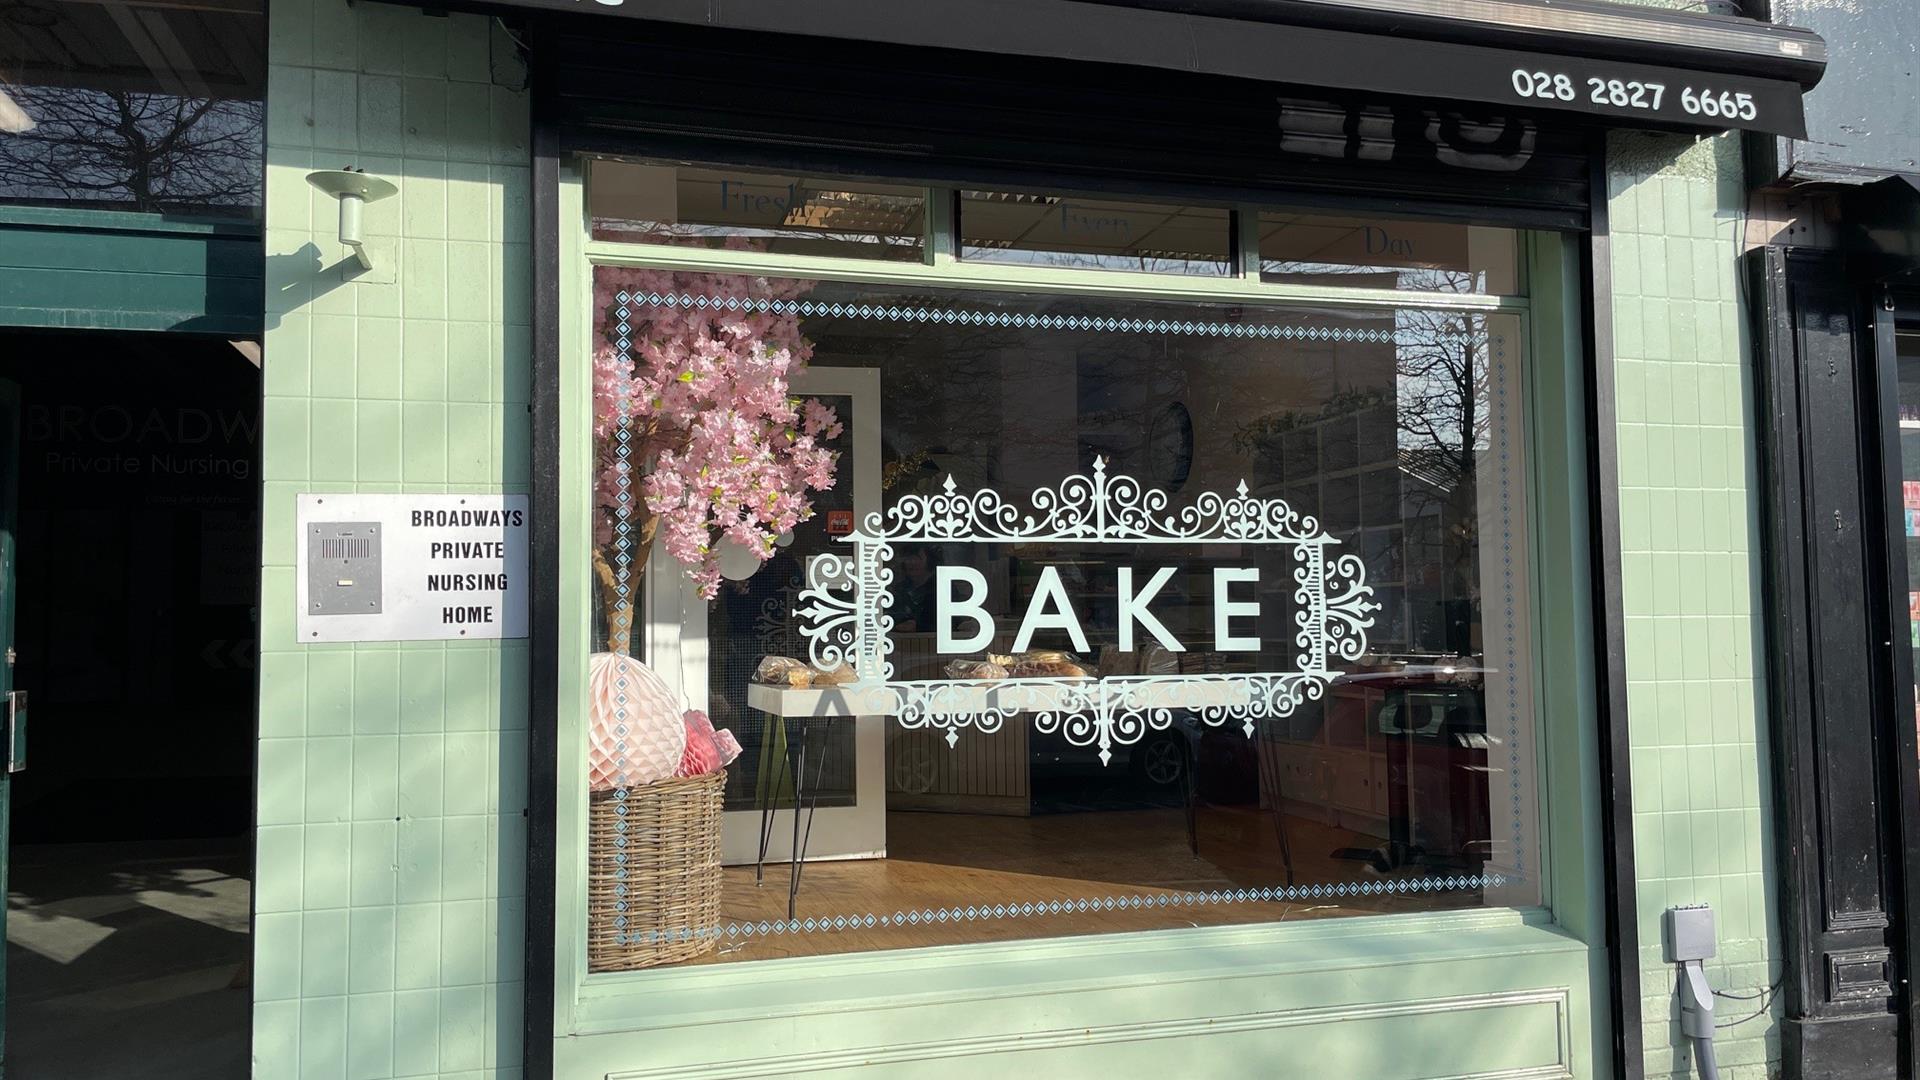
pixel 600 1020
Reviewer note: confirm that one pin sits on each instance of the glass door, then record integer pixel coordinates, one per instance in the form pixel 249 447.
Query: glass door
pixel 1905 354
pixel 832 767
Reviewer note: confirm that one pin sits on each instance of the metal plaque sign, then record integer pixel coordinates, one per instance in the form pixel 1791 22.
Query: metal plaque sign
pixel 411 567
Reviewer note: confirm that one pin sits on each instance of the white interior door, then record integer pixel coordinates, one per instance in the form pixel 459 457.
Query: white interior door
pixel 715 645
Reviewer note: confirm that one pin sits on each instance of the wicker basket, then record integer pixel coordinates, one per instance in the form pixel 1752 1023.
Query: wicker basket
pixel 654 899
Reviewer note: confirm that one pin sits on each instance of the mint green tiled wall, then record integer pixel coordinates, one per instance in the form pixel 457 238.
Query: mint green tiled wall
pixel 392 789
pixel 1690 584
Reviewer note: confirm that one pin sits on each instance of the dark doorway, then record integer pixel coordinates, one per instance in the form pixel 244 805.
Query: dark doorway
pixel 138 555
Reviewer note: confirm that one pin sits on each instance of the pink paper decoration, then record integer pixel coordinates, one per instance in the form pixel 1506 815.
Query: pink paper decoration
pixel 707 749
pixel 635 733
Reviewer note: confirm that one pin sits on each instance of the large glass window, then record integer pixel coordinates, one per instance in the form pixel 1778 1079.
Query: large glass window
pixel 687 206
pixel 133 105
pixel 1389 253
pixel 1106 234
pixel 1020 615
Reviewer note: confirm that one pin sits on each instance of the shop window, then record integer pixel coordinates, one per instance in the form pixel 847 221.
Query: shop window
pixel 930 616
pixel 150 107
pixel 753 211
pixel 1088 234
pixel 1387 253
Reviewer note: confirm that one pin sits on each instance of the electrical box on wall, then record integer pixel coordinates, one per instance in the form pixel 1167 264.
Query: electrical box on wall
pixel 411 567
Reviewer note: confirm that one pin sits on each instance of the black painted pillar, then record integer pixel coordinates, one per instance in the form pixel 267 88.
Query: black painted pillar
pixel 1831 685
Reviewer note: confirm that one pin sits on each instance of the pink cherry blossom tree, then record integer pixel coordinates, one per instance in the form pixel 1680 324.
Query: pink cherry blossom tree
pixel 717 445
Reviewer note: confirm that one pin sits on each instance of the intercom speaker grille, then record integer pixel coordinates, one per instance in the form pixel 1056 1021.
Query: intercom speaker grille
pixel 339 547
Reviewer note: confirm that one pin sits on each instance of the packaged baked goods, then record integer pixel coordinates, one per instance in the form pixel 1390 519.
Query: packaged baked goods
pixel 1046 656
pixel 838 675
pixel 975 669
pixel 1047 664
pixel 783 671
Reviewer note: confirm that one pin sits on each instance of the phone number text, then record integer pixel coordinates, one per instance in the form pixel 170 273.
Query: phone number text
pixel 1633 94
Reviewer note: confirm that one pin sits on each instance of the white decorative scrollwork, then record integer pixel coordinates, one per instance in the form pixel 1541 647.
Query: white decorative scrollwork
pixel 843 611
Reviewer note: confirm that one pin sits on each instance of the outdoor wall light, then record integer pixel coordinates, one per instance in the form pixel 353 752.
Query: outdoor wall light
pixel 355 189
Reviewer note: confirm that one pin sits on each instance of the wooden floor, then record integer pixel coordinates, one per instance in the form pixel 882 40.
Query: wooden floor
pixel 939 861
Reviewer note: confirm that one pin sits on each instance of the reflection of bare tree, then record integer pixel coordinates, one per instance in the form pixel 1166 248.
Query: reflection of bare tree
pixel 1437 406
pixel 143 151
pixel 1442 388
pixel 1443 414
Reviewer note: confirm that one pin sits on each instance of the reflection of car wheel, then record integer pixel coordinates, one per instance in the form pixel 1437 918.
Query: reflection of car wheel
pixel 1162 759
pixel 913 767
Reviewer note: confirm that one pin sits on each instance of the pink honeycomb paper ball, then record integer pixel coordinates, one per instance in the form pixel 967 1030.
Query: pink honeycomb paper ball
pixel 635 731
pixel 707 750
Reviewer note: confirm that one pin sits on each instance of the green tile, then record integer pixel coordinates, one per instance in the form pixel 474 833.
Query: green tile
pixel 289 101
pixel 333 443
pixel 376 692
pixel 423 278
pixel 422 773
pixel 463 942
pixel 276 1036
pixel 329 771
pixel 379 436
pixel 426 48
pixel 284 369
pixel 423 200
pixel 276 956
pixel 335 39
pixel 336 114
pixel 416 1032
pixel 416 962
pixel 464 865
pixel 323 1038
pixel 376 777
pixel 334 355
pixel 470 440
pixel 383 33
pixel 382 119
pixel 278 853
pixel 283 694
pixel 373 874
pixel 370 945
pixel 469 370
pixel 425 105
pixel 284 430
pixel 423 440
pixel 377 358
pixel 281 799
pixel 467 768
pixel 424 361
pixel 323 953
pixel 462 1023
pixel 421 861
pixel 325 879
pixel 423 685
pixel 470 124
pixel 468 49
pixel 370 1035
pixel 329 692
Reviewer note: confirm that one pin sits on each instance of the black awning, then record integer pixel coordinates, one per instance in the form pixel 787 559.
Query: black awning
pixel 1631 65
